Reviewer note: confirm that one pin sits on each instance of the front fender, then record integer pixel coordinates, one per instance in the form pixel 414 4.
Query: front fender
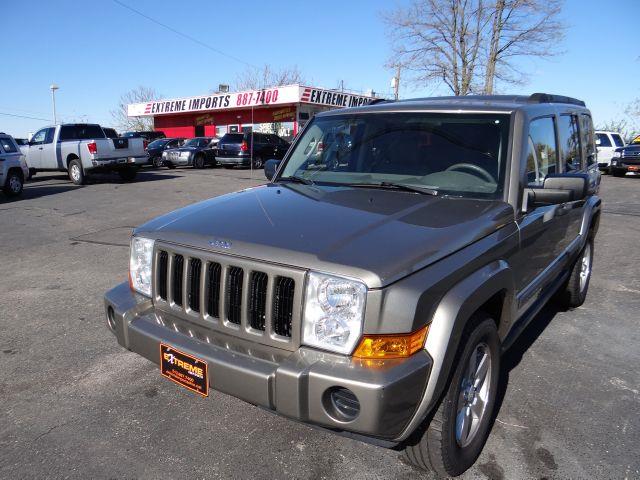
pixel 449 321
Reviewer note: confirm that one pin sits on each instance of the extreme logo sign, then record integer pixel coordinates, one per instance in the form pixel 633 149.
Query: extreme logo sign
pixel 184 369
pixel 333 98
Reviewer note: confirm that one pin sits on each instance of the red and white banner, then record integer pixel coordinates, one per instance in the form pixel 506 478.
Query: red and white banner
pixel 253 98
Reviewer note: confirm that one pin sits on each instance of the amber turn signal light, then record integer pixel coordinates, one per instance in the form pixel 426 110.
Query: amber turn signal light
pixel 391 346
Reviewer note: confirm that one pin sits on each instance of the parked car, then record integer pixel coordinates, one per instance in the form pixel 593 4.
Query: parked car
pixel 155 149
pixel 373 294
pixel 626 160
pixel 196 152
pixel 607 143
pixel 82 148
pixel 149 136
pixel 13 168
pixel 235 149
pixel 21 141
pixel 110 132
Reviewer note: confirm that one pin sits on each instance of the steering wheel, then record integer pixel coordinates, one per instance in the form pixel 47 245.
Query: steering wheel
pixel 479 171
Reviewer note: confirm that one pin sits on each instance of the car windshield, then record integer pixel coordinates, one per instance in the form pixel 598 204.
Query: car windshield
pixel 196 142
pixel 158 143
pixel 456 154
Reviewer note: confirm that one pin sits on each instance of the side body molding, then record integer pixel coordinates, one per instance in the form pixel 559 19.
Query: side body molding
pixel 449 321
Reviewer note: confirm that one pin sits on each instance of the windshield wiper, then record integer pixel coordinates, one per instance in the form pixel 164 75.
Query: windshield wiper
pixel 296 179
pixel 396 186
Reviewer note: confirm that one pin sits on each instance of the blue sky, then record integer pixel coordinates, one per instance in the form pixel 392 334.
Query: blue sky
pixel 97 50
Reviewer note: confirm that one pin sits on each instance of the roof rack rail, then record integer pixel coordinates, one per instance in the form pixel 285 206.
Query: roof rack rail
pixel 379 100
pixel 550 98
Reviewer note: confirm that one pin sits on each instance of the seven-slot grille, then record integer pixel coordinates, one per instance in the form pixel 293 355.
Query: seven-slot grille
pixel 240 297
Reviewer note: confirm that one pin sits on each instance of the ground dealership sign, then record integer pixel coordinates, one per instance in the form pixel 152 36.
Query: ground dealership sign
pixel 253 98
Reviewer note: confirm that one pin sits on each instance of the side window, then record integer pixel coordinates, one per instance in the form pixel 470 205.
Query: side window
pixel 570 142
pixel 586 130
pixel 49 137
pixel 39 137
pixel 542 159
pixel 604 140
pixel 68 132
pixel 7 145
pixel 617 139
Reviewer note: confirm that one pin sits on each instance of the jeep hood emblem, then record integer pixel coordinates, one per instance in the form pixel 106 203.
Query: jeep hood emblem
pixel 217 243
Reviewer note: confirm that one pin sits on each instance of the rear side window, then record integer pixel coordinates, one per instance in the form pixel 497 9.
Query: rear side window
pixel 570 142
pixel 80 132
pixel 542 156
pixel 8 145
pixel 604 139
pixel 617 140
pixel 586 130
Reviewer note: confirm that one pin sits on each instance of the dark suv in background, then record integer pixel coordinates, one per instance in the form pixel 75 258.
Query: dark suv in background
pixel 236 149
pixel 196 152
pixel 155 149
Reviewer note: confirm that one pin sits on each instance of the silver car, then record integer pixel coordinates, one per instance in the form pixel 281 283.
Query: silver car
pixel 13 168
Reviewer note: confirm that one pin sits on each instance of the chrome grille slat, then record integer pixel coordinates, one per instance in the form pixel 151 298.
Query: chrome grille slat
pixel 254 300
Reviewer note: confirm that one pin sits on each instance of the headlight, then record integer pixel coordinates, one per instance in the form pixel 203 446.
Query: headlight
pixel 140 265
pixel 333 312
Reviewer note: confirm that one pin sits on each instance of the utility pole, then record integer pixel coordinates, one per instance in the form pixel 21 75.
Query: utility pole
pixel 395 83
pixel 53 88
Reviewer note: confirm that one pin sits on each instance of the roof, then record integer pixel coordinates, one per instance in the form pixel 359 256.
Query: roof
pixel 467 102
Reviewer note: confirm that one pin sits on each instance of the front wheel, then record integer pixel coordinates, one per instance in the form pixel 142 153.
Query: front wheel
pixel 14 184
pixel 455 436
pixel 198 162
pixel 157 162
pixel 257 162
pixel 76 173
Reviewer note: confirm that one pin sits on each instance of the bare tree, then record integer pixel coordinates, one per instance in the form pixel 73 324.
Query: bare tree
pixel 520 28
pixel 268 76
pixel 138 124
pixel 469 44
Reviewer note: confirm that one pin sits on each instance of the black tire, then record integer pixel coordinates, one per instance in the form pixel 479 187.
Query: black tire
pixel 14 183
pixel 157 162
pixel 618 173
pixel 258 162
pixel 32 173
pixel 574 292
pixel 435 447
pixel 228 167
pixel 198 162
pixel 128 174
pixel 76 172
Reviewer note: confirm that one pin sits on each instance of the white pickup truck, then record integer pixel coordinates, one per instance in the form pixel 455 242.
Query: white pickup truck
pixel 79 149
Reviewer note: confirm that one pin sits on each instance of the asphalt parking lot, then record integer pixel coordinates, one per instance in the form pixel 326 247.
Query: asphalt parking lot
pixel 74 404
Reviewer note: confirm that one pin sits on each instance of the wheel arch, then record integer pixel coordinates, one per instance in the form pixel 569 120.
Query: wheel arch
pixel 18 170
pixel 490 289
pixel 71 156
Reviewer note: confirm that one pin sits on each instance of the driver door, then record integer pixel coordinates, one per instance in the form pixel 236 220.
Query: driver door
pixel 34 159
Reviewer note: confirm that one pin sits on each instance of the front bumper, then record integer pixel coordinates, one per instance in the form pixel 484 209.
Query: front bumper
pixel 293 384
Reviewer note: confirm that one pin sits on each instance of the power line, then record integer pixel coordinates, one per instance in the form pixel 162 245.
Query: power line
pixel 25 116
pixel 184 35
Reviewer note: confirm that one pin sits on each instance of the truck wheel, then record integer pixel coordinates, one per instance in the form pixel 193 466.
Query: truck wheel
pixel 76 174
pixel 452 441
pixel 198 162
pixel 575 291
pixel 128 174
pixel 32 173
pixel 13 184
pixel 257 162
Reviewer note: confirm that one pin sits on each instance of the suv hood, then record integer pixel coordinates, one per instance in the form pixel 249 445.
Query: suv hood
pixel 378 236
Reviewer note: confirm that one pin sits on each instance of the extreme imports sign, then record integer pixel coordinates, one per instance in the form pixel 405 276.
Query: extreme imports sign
pixel 251 98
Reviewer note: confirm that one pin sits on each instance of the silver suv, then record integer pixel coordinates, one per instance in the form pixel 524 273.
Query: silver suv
pixel 371 287
pixel 13 168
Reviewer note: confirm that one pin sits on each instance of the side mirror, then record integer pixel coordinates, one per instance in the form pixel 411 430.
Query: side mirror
pixel 557 189
pixel 270 167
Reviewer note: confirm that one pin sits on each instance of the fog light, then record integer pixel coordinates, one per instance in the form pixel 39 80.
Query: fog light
pixel 341 404
pixel 111 319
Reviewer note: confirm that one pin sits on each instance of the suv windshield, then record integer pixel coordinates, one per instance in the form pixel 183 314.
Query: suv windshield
pixel 458 154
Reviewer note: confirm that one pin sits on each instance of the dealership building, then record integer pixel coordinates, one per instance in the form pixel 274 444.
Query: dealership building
pixel 286 108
